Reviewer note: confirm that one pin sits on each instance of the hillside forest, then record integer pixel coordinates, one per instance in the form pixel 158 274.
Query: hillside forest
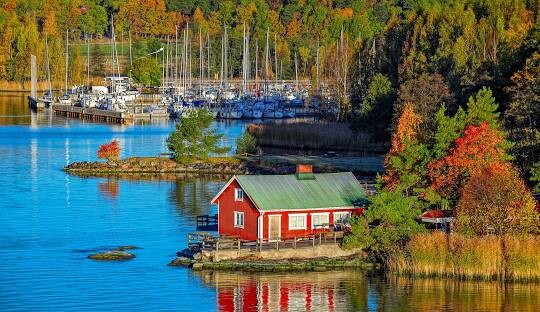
pixel 378 58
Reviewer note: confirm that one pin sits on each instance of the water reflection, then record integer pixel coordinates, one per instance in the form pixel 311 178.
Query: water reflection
pixel 191 195
pixel 363 291
pixel 109 188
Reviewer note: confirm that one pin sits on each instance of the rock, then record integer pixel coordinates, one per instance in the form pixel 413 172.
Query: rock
pixel 112 255
pixel 197 256
pixel 181 261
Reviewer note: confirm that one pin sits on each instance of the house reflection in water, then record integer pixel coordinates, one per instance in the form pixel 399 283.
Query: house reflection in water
pixel 315 291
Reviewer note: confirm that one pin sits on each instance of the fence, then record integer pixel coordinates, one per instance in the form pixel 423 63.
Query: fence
pixel 206 241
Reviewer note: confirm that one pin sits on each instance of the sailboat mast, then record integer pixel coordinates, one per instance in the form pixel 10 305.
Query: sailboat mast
pixel 176 56
pixel 48 65
pixel 88 60
pixel 67 60
pixel 275 60
pixel 266 57
pixel 296 71
pixel 257 68
pixel 201 65
pixel 208 43
pixel 130 53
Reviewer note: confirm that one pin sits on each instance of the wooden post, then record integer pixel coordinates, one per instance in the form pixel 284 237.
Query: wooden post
pixel 295 242
pixel 313 241
pixel 217 245
pixel 277 245
pixel 335 239
pixel 238 245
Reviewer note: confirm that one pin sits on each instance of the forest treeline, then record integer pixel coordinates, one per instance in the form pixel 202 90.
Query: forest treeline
pixel 375 55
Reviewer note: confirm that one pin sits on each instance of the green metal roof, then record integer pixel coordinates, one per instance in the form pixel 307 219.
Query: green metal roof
pixel 288 192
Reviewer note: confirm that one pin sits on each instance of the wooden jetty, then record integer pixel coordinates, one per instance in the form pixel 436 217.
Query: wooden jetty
pixel 95 114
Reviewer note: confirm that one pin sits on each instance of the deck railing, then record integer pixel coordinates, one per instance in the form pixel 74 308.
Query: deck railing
pixel 206 241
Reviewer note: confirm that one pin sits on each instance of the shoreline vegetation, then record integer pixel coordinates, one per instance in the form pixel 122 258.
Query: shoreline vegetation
pixel 491 257
pixel 301 135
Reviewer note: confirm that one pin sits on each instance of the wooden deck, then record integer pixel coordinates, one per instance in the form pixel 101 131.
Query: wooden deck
pixel 209 242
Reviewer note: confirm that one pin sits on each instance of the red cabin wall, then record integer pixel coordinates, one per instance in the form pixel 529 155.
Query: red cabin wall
pixel 227 206
pixel 286 233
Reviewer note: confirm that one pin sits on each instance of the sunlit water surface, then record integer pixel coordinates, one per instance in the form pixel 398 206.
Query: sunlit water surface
pixel 51 221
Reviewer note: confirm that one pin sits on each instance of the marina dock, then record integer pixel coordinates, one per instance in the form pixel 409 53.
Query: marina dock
pixel 92 114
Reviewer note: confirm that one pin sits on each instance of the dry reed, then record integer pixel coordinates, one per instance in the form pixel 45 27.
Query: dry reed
pixel 310 135
pixel 487 257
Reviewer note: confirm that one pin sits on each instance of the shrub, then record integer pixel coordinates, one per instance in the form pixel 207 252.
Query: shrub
pixel 246 144
pixel 497 198
pixel 109 151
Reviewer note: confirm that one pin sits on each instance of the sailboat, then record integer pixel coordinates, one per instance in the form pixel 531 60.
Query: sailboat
pixel 229 108
pixel 271 107
pixel 66 98
pixel 47 98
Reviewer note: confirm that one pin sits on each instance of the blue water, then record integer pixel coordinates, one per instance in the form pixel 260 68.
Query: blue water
pixel 51 221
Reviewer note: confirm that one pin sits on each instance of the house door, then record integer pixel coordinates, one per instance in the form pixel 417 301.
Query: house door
pixel 274 227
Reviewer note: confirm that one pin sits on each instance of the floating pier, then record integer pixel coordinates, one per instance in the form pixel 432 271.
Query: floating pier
pixel 92 114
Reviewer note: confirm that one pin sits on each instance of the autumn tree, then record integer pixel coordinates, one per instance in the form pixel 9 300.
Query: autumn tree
pixel 478 148
pixel 398 161
pixel 496 197
pixel 109 151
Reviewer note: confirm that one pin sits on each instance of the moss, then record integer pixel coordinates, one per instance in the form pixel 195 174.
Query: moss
pixel 112 255
pixel 246 265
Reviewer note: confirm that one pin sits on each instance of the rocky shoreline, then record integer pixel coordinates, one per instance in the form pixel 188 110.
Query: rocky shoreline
pixel 285 265
pixel 214 166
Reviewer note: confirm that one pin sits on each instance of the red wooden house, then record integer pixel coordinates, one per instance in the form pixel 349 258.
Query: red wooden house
pixel 274 207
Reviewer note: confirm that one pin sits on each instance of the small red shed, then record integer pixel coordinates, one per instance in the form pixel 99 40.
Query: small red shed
pixel 274 207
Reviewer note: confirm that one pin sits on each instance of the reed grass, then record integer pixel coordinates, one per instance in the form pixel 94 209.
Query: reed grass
pixel 487 257
pixel 311 135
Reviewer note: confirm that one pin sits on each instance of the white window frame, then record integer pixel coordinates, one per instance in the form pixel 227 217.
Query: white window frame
pixel 238 191
pixel 296 215
pixel 318 214
pixel 337 213
pixel 236 214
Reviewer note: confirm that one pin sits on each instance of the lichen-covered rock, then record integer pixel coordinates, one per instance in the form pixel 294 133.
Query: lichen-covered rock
pixel 112 255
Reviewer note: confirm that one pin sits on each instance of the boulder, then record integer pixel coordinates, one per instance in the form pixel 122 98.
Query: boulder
pixel 112 255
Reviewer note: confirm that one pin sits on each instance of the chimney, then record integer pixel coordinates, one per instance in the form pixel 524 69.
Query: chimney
pixel 304 172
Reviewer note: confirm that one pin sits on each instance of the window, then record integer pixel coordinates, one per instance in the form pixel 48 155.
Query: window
pixel 238 194
pixel 297 221
pixel 320 220
pixel 238 219
pixel 342 217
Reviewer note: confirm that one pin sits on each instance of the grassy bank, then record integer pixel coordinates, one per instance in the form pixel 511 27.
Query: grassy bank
pixel 312 135
pixel 507 258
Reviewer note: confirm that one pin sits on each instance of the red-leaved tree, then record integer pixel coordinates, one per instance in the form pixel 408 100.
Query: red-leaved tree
pixel 109 151
pixel 479 148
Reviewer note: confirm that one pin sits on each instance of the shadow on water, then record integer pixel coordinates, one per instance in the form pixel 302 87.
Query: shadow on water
pixel 363 291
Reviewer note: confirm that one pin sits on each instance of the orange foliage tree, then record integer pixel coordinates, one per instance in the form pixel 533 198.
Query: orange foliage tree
pixel 109 151
pixel 478 148
pixel 406 131
pixel 497 198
